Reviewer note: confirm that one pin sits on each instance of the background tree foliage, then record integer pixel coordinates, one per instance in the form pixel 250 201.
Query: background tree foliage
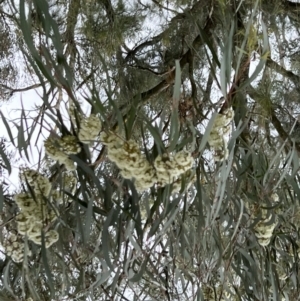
pixel 156 72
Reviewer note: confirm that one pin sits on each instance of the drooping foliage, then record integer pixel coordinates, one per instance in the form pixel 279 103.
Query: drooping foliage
pixel 161 159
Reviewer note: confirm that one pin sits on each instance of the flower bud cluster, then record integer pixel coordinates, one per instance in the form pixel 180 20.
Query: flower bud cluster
pixel 128 157
pixel 35 211
pixel 219 135
pixel 14 248
pixel 90 128
pixel 264 229
pixel 59 149
pixel 212 294
pixel 170 167
pixel 40 183
pixel 133 164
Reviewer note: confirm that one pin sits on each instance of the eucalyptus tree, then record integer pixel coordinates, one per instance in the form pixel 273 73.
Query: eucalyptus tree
pixel 170 151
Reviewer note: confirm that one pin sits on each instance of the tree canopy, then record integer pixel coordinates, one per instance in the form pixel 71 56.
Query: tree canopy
pixel 159 159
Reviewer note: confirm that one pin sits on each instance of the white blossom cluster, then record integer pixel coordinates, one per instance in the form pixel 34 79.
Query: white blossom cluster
pixel 268 220
pixel 14 248
pixel 90 128
pixel 59 149
pixel 133 164
pixel 128 157
pixel 35 211
pixel 170 167
pixel 219 135
pixel 212 294
pixel 264 230
pixel 40 183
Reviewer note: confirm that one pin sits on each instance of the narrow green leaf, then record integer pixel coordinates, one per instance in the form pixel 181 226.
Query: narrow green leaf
pixel 177 84
pixel 7 129
pixel 174 130
pixel 208 129
pixel 138 276
pixel 46 266
pixel 1 197
pixel 208 43
pixel 225 72
pixel 5 159
pixel 84 167
pixel 156 136
pixel 6 278
pixel 250 22
pixel 88 220
pixel 254 75
pixel 130 121
pixel 105 237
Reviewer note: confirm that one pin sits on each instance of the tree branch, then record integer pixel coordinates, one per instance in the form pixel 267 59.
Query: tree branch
pixel 286 73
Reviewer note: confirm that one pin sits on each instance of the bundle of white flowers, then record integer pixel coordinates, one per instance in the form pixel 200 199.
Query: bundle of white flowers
pixel 128 157
pixel 40 183
pixel 35 210
pixel 133 164
pixel 90 128
pixel 212 294
pixel 34 214
pixel 264 229
pixel 14 247
pixel 170 167
pixel 219 135
pixel 58 149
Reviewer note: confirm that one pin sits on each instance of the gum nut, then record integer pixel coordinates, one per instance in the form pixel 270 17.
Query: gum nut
pixel 70 166
pixel 9 249
pixel 20 197
pixel 15 245
pixel 230 114
pixel 160 168
pixel 114 150
pixel 266 219
pixel 37 240
pixel 35 232
pixel 22 218
pixel 227 130
pixel 53 235
pixel 216 131
pixel 126 175
pixel 264 235
pixel 112 157
pixel 264 241
pixel 13 237
pixel 143 164
pixel 220 119
pixel 21 229
pixel 215 143
pixel 150 172
pixel 218 158
pixel 259 227
pixel 275 197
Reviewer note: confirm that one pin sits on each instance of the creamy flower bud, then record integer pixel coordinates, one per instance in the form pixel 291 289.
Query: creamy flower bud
pixel 89 129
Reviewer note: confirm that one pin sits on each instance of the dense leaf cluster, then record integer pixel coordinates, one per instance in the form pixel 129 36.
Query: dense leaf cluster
pixel 169 150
